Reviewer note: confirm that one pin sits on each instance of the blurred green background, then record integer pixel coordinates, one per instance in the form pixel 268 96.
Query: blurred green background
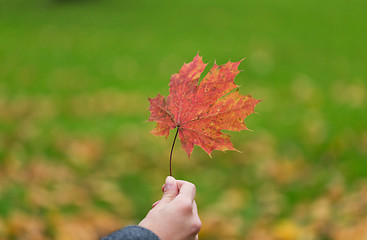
pixel 77 159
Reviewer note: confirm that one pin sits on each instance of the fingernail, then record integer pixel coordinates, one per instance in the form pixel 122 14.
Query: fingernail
pixel 169 182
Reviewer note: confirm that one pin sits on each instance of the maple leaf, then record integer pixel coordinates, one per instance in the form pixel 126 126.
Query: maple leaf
pixel 201 111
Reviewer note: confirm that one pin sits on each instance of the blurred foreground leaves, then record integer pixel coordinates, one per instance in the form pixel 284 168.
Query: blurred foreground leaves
pixel 62 182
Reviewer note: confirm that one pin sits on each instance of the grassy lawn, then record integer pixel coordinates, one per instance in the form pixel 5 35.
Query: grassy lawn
pixel 77 159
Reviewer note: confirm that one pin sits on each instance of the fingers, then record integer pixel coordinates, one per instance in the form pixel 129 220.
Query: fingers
pixel 198 221
pixel 186 189
pixel 170 190
pixel 177 188
pixel 195 208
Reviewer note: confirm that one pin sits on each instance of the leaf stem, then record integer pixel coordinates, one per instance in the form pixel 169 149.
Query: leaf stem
pixel 170 156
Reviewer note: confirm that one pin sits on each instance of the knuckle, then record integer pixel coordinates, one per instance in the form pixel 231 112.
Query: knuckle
pixel 196 226
pixel 186 206
pixel 192 186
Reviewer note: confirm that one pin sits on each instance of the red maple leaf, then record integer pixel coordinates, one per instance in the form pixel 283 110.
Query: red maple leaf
pixel 201 111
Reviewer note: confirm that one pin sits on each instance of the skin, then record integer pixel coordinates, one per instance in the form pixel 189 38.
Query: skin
pixel 175 216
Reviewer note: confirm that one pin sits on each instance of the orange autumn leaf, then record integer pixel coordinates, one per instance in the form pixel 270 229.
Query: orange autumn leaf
pixel 201 111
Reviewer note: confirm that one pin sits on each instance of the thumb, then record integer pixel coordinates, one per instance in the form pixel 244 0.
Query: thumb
pixel 170 189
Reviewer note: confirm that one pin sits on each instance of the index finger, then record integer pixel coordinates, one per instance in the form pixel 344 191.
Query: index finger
pixel 186 189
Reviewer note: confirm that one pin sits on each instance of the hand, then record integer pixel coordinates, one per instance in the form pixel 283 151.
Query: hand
pixel 175 216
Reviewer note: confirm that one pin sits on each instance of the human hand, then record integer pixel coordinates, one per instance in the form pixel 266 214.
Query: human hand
pixel 175 216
